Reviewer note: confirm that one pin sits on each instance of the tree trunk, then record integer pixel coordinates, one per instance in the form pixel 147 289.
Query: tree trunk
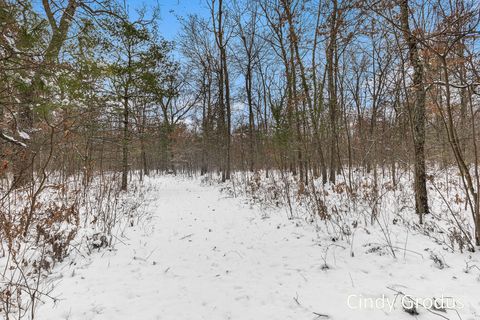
pixel 125 143
pixel 420 185
pixel 332 98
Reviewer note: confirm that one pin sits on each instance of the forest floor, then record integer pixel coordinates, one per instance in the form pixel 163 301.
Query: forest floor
pixel 201 254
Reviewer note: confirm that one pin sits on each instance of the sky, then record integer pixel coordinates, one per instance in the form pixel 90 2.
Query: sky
pixel 170 10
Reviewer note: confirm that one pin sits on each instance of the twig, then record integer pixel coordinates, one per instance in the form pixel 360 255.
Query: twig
pixel 321 315
pixel 187 236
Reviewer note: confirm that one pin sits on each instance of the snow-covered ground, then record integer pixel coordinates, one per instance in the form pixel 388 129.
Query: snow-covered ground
pixel 204 255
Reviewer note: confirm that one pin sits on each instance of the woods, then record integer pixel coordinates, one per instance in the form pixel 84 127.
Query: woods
pixel 322 93
pixel 328 88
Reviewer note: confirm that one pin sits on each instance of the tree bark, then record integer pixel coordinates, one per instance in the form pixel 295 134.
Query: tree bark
pixel 420 185
pixel 332 95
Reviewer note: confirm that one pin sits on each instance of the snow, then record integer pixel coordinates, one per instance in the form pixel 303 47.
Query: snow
pixel 12 139
pixel 201 254
pixel 24 135
pixel 10 41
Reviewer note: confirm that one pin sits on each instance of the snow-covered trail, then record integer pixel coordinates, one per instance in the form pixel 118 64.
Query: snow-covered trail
pixel 205 256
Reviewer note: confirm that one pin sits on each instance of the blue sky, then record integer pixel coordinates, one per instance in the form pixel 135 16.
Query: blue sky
pixel 170 10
